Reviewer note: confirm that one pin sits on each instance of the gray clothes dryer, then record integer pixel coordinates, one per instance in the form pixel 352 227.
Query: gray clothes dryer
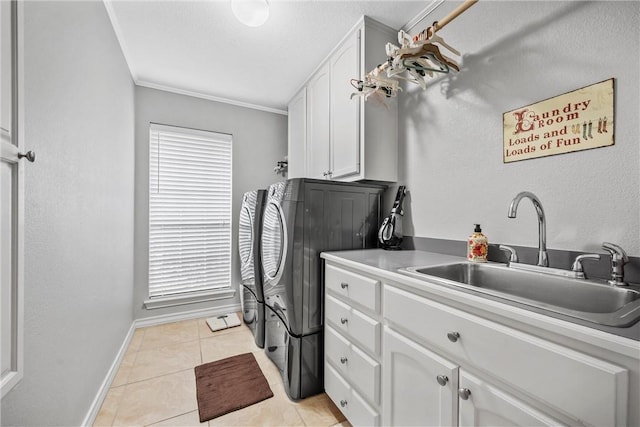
pixel 249 231
pixel 302 218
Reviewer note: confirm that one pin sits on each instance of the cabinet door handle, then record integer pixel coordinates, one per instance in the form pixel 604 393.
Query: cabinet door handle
pixel 464 393
pixel 343 320
pixel 29 155
pixel 344 285
pixel 442 380
pixel 343 403
pixel 453 336
pixel 343 360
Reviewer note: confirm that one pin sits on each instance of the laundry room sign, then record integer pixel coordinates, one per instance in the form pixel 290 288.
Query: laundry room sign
pixel 575 121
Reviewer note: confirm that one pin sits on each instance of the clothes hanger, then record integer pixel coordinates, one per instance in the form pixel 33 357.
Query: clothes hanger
pixel 375 84
pixel 415 59
pixel 407 41
pixel 422 64
pixel 431 48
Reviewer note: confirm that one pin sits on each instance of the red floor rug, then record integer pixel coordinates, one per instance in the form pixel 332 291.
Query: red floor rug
pixel 229 384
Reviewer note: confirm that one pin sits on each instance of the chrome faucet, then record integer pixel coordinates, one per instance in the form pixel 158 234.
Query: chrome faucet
pixel 618 259
pixel 543 259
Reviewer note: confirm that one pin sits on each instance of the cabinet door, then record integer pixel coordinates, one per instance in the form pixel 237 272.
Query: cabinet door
pixel 419 387
pixel 487 405
pixel 345 111
pixel 11 199
pixel 318 163
pixel 297 135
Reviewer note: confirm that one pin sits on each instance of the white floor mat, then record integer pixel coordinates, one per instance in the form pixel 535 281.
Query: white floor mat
pixel 223 321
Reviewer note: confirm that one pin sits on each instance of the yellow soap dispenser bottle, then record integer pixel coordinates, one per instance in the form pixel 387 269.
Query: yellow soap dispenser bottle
pixel 477 246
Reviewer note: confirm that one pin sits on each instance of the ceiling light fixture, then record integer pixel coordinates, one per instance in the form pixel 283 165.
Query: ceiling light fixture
pixel 252 13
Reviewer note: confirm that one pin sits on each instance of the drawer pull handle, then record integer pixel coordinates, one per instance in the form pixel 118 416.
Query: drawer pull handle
pixel 343 320
pixel 343 403
pixel 464 393
pixel 453 336
pixel 344 285
pixel 442 380
pixel 343 360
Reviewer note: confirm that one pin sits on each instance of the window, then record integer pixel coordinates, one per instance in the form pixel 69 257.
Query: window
pixel 189 211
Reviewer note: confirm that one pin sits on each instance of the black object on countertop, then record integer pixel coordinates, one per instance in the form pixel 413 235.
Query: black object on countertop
pixel 390 232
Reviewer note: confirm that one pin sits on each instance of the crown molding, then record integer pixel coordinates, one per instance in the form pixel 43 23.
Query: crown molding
pixel 423 14
pixel 108 4
pixel 118 31
pixel 208 97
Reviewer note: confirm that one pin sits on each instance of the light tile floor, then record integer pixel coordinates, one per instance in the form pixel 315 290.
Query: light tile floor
pixel 155 384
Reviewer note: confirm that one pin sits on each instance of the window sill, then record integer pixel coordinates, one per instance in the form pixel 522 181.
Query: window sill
pixel 174 300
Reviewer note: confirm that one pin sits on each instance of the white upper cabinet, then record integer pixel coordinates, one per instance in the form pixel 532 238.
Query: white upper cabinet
pixel 297 134
pixel 345 111
pixel 317 150
pixel 347 138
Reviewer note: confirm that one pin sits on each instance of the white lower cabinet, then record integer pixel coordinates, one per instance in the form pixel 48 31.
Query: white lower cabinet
pixel 352 405
pixel 420 387
pixel 582 388
pixel 352 342
pixel 482 404
pixel 396 358
pixel 424 389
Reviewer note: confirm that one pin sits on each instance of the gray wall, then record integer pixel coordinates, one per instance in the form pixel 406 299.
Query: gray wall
pixel 79 112
pixel 514 54
pixel 259 141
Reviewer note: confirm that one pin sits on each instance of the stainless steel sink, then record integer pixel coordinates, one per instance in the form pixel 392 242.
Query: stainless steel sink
pixel 583 299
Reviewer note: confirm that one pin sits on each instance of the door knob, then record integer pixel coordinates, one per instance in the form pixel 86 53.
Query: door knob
pixel 344 320
pixel 464 393
pixel 453 336
pixel 30 155
pixel 343 360
pixel 442 380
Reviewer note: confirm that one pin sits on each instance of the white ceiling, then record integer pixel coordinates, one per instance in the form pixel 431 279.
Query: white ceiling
pixel 199 48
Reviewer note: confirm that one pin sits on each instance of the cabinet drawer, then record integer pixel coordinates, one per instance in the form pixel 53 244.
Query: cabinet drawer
pixel 587 389
pixel 357 411
pixel 355 366
pixel 353 287
pixel 353 324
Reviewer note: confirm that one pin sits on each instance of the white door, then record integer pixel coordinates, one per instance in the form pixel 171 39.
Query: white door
pixel 297 135
pixel 419 387
pixel 482 404
pixel 318 150
pixel 345 110
pixel 11 202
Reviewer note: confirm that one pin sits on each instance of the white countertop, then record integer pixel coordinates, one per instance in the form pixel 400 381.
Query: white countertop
pixel 386 264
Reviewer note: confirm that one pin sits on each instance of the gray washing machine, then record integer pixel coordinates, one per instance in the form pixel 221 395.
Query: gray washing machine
pixel 302 218
pixel 251 295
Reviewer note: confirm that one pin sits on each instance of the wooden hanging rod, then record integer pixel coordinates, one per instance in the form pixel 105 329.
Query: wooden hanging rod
pixel 454 14
pixel 438 25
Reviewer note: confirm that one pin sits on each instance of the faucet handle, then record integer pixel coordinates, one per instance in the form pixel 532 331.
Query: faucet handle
pixel 577 264
pixel 513 256
pixel 616 251
pixel 618 259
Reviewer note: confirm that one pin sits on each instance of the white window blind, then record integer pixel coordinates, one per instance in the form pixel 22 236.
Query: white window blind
pixel 189 211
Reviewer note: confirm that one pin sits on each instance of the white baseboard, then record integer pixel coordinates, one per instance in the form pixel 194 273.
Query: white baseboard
pixel 186 315
pixel 106 384
pixel 141 323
